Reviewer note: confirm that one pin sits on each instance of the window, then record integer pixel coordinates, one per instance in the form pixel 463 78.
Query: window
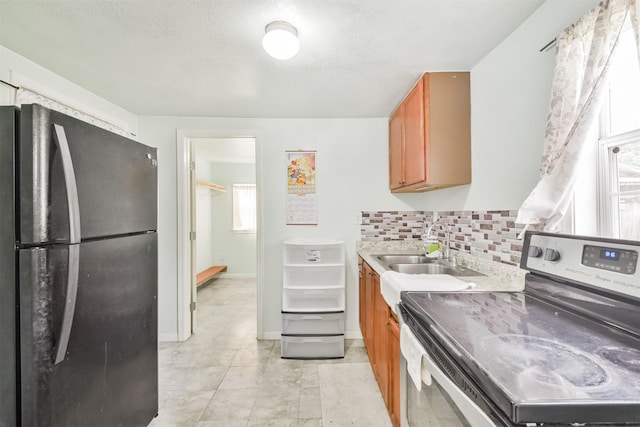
pixel 619 146
pixel 244 208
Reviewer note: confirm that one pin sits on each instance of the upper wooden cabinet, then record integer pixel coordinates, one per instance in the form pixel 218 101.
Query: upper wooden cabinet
pixel 430 135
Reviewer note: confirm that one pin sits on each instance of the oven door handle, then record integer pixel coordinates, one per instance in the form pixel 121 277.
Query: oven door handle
pixel 445 341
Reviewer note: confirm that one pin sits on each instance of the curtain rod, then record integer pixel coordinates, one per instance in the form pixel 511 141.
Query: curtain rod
pixel 549 45
pixel 9 84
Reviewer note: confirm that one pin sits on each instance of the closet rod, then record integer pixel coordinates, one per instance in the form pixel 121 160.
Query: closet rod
pixel 210 185
pixel 9 84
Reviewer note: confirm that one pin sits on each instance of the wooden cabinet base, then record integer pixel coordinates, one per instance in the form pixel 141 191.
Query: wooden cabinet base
pixel 381 336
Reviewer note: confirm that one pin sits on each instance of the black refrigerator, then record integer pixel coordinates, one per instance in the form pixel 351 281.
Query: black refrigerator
pixel 78 273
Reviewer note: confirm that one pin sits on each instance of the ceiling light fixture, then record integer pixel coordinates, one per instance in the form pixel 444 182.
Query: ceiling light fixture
pixel 281 40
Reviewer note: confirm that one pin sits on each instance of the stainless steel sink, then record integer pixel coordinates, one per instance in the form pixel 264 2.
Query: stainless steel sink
pixel 420 264
pixel 433 268
pixel 404 259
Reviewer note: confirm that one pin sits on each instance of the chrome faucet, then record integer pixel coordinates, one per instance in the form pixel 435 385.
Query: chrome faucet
pixel 427 234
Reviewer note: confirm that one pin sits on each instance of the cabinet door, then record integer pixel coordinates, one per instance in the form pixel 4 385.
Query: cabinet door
pixel 393 402
pixel 414 154
pixel 368 311
pixel 380 333
pixel 449 129
pixel 396 137
pixel 361 299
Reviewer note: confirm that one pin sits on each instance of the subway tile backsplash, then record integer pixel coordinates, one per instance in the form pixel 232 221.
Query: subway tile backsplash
pixel 491 235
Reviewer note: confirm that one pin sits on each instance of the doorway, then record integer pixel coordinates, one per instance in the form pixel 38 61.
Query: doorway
pixel 211 167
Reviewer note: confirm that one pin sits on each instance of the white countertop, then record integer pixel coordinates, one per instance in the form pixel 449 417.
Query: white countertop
pixel 497 276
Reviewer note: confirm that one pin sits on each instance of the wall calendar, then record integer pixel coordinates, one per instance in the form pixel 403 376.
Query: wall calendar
pixel 302 199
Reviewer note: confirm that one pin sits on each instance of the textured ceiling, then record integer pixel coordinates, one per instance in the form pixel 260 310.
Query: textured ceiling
pixel 358 58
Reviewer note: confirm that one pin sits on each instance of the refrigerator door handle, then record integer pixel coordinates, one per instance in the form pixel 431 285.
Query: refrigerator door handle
pixel 69 304
pixel 70 183
pixel 74 238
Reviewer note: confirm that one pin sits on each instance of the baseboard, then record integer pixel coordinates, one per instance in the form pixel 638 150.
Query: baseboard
pixel 271 335
pixel 237 275
pixel 353 335
pixel 167 337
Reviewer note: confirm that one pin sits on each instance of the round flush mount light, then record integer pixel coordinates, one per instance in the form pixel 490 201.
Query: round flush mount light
pixel 281 40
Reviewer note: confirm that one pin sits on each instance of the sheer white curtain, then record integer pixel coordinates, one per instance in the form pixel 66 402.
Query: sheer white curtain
pixel 584 52
pixel 244 207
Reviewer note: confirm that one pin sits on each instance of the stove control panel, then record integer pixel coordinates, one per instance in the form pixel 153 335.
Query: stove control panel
pixel 605 263
pixel 624 261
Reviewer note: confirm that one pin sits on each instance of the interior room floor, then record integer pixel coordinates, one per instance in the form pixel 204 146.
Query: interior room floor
pixel 223 376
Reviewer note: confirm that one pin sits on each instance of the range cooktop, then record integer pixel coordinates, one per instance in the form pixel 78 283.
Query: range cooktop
pixel 559 352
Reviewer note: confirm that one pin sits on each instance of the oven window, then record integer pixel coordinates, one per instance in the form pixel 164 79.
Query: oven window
pixel 432 407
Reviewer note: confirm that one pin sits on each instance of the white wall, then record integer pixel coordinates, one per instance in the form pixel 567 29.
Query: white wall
pixel 216 243
pixel 510 93
pixel 204 217
pixel 18 70
pixel 352 176
pixel 237 251
pixel 510 99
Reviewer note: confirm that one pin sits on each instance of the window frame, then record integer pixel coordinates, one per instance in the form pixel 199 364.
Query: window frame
pixel 608 218
pixel 597 211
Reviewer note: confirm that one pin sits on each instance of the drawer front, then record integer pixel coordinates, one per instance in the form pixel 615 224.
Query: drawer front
pixel 314 253
pixel 313 300
pixel 313 347
pixel 317 276
pixel 313 323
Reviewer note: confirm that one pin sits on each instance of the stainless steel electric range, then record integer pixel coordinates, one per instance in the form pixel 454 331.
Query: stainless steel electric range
pixel 565 351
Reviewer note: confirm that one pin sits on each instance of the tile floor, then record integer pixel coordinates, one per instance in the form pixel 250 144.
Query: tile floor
pixel 223 376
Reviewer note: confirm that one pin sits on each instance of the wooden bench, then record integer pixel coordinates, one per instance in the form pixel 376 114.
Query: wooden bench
pixel 207 274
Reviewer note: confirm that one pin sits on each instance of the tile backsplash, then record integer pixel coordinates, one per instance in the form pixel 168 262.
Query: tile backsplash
pixel 486 234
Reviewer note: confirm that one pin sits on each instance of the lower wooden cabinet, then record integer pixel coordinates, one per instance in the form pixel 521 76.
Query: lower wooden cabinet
pixel 381 335
pixel 393 403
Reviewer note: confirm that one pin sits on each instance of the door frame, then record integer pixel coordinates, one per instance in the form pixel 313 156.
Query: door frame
pixel 183 143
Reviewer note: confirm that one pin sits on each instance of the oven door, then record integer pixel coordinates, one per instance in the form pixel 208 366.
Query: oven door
pixel 440 403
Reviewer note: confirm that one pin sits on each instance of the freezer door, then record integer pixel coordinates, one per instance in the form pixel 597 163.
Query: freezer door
pixel 78 182
pixel 108 372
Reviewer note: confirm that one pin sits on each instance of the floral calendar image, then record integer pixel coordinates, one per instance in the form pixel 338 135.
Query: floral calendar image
pixel 302 206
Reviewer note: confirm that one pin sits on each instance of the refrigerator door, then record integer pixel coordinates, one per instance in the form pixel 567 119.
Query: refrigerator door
pixel 8 117
pixel 79 182
pixel 108 372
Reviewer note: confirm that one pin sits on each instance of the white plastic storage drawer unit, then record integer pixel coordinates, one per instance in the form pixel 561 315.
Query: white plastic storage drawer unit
pixel 316 347
pixel 315 276
pixel 308 251
pixel 312 323
pixel 313 298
